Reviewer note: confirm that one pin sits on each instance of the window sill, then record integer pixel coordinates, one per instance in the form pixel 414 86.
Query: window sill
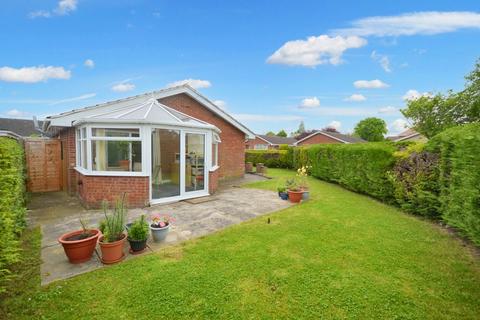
pixel 110 173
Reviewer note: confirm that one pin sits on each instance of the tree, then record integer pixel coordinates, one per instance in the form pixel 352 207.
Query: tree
pixel 330 129
pixel 301 127
pixel 371 129
pixel 432 115
pixel 270 134
pixel 282 133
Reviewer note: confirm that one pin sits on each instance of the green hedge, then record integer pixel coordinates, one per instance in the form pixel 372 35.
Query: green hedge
pixel 12 204
pixel 459 180
pixel 359 167
pixel 270 158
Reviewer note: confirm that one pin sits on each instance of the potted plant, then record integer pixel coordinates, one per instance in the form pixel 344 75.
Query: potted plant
pixel 160 226
pixel 282 193
pixel 138 235
pixel 113 238
pixel 79 245
pixel 295 192
pixel 302 174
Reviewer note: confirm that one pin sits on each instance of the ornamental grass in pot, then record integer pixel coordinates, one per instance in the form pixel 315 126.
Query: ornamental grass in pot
pixel 295 191
pixel 138 235
pixel 160 226
pixel 112 227
pixel 80 244
pixel 302 174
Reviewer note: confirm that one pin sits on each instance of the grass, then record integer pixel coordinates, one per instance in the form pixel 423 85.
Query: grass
pixel 339 255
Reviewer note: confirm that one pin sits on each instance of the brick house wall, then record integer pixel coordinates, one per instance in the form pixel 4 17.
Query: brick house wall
pixel 317 139
pixel 92 190
pixel 250 144
pixel 231 152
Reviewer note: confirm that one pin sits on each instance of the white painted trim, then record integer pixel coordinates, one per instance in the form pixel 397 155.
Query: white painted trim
pixel 407 137
pixel 321 132
pixel 214 168
pixel 111 173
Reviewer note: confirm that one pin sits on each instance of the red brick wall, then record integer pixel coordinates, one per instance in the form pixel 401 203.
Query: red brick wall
pixel 67 136
pixel 231 152
pixel 92 190
pixel 213 181
pixel 250 144
pixel 317 139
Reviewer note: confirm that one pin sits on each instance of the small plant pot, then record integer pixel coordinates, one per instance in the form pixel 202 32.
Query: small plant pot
pixel 295 196
pixel 112 252
pixel 159 234
pixel 283 195
pixel 306 195
pixel 81 250
pixel 137 246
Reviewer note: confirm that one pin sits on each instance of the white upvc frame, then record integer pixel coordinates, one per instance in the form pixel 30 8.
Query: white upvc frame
pixel 207 163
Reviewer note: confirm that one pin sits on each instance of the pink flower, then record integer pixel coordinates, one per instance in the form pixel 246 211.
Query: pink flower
pixel 162 224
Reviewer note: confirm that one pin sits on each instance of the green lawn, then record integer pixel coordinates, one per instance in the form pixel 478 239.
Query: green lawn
pixel 339 255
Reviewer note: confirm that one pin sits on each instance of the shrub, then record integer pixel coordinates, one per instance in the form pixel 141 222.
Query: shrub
pixel 12 204
pixel 113 225
pixel 270 158
pixel 139 229
pixel 459 177
pixel 359 167
pixel 415 180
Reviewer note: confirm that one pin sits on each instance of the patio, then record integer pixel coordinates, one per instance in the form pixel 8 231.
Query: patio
pixel 57 213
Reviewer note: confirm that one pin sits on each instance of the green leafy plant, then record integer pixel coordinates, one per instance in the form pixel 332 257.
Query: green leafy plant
pixel 294 184
pixel 139 229
pixel 113 225
pixel 281 189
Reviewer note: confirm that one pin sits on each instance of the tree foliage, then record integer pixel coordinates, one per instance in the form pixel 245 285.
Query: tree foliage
pixel 270 133
pixel 282 133
pixel 431 115
pixel 371 129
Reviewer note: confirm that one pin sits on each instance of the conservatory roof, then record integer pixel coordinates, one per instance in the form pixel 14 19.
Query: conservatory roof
pixel 148 112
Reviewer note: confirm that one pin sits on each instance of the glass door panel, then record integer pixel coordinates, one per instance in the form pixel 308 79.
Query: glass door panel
pixel 194 162
pixel 165 163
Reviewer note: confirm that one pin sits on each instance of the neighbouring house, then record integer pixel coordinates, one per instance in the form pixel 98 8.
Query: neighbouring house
pixel 163 146
pixel 322 136
pixel 408 135
pixel 21 127
pixel 264 142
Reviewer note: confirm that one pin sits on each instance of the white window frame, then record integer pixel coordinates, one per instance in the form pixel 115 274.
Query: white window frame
pixel 215 142
pixel 261 147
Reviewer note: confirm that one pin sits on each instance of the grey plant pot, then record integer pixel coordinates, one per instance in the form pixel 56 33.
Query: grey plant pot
pixel 305 195
pixel 159 234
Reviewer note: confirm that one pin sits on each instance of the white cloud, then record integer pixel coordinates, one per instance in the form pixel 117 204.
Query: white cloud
pixel 194 83
pixel 266 118
pixel 123 87
pixel 409 24
pixel 312 102
pixel 398 125
pixel 64 7
pixel 414 94
pixel 89 63
pixel 383 60
pixel 315 50
pixel 221 104
pixel 33 74
pixel 387 110
pixel 370 84
pixel 340 111
pixel 335 125
pixel 82 97
pixel 15 113
pixel 356 97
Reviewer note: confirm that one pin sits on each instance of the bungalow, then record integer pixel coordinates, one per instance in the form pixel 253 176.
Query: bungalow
pixel 323 136
pixel 408 135
pixel 264 142
pixel 162 146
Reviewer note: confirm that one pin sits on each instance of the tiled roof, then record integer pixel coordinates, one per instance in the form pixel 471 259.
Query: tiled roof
pixel 277 139
pixel 22 127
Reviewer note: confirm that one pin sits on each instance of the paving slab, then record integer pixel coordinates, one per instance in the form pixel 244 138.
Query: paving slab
pixel 57 213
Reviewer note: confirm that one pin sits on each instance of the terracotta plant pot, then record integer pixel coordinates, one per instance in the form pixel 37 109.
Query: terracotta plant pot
pixel 124 164
pixel 79 251
pixel 112 252
pixel 295 196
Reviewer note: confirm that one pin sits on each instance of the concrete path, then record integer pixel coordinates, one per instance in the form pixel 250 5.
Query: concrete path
pixel 57 213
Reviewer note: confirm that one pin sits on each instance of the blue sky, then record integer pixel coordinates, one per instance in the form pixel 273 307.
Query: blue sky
pixel 269 63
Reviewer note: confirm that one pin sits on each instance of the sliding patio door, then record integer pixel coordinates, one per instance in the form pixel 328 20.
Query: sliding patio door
pixel 166 164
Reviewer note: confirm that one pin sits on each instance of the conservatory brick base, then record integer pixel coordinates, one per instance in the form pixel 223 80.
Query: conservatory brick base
pixel 92 190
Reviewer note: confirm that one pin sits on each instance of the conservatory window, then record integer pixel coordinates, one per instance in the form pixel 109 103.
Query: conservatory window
pixel 216 141
pixel 82 148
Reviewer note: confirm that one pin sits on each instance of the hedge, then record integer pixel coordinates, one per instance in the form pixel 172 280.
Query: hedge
pixel 359 167
pixel 459 177
pixel 12 204
pixel 270 158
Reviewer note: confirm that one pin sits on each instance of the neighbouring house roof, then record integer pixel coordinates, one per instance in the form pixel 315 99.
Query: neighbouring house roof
pixel 66 119
pixel 276 140
pixel 334 135
pixel 404 135
pixel 149 111
pixel 21 127
pixel 10 134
